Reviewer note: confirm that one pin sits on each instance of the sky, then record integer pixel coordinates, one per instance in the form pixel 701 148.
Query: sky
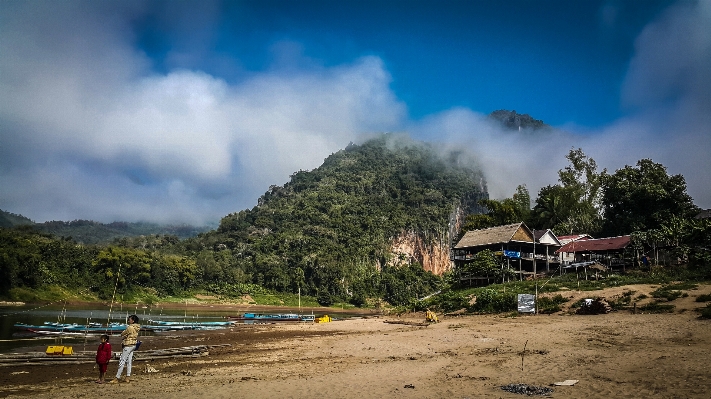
pixel 186 111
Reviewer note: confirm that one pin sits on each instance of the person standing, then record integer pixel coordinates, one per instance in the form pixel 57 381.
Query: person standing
pixel 129 338
pixel 103 355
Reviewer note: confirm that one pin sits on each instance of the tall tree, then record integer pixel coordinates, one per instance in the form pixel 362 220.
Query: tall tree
pixel 643 198
pixel 574 205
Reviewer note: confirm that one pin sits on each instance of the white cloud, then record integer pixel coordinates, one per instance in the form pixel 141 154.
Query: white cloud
pixel 87 130
pixel 106 139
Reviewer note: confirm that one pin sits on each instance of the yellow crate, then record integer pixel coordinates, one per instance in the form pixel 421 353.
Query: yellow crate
pixel 54 350
pixel 59 350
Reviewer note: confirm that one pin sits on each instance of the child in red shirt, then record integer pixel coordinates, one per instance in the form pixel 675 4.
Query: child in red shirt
pixel 103 355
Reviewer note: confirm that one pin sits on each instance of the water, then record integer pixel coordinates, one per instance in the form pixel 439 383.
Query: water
pixel 13 339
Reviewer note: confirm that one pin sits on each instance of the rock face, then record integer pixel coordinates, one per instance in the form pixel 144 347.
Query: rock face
pixel 431 250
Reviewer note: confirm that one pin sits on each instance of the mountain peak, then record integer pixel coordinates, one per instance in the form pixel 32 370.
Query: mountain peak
pixel 516 121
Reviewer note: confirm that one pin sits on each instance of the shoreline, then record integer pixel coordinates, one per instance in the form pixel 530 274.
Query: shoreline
pixel 200 305
pixel 619 354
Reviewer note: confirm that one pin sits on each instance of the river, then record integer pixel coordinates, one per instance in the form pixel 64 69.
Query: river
pixel 13 339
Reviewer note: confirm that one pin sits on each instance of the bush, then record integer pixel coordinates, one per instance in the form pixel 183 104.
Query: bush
pixel 656 307
pixel 447 301
pixel 672 291
pixel 492 301
pixel 622 301
pixel 358 299
pixel 548 305
pixel 703 298
pixel 324 299
pixel 705 312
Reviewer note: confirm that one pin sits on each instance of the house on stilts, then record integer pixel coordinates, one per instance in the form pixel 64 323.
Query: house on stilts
pixel 517 247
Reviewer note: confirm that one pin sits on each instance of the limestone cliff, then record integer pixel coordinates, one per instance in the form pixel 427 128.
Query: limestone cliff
pixel 431 249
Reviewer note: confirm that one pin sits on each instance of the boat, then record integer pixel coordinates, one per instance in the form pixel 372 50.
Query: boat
pixel 270 318
pixel 195 324
pixel 72 328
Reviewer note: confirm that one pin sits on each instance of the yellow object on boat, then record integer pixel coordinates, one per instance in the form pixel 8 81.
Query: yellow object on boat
pixel 323 319
pixel 59 350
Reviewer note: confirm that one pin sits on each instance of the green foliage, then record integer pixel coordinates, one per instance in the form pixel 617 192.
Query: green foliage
pixel 703 298
pixel 484 264
pixel 547 305
pixel 329 230
pixel 90 232
pixel 8 219
pixel 402 286
pixel 494 301
pixel 643 198
pixel 671 292
pixel 705 312
pixel 574 205
pixel 32 260
pixel 622 301
pixel 446 301
pixel 656 307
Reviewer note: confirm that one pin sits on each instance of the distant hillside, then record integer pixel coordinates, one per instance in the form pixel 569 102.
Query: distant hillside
pixel 90 232
pixel 8 219
pixel 390 200
pixel 515 121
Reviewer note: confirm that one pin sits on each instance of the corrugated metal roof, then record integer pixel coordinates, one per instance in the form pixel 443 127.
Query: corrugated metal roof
pixel 596 245
pixel 492 235
pixel 566 239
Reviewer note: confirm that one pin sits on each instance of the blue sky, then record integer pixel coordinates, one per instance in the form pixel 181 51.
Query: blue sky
pixel 184 111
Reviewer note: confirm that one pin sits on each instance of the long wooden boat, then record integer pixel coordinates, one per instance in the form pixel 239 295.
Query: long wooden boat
pixel 72 328
pixel 195 324
pixel 269 318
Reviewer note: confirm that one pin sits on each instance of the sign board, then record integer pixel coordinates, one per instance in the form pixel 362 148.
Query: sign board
pixel 512 254
pixel 526 303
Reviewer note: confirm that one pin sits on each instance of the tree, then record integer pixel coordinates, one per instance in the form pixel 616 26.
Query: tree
pixel 643 198
pixel 523 202
pixel 552 207
pixel 574 205
pixel 501 212
pixel 484 264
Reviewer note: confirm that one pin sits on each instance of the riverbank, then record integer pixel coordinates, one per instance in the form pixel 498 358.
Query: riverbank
pixel 619 354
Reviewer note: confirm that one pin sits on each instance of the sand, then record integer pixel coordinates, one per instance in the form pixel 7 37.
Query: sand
pixel 616 355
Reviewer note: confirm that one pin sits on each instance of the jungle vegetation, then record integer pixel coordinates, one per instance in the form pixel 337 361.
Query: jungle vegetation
pixel 326 232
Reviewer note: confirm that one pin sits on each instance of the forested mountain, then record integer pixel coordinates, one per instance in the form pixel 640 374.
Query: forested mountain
pixel 371 222
pixel 370 206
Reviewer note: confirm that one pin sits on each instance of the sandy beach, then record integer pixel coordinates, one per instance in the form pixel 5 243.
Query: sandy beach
pixel 615 355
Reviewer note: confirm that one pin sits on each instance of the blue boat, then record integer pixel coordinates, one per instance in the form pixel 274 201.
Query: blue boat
pixel 269 318
pixel 73 328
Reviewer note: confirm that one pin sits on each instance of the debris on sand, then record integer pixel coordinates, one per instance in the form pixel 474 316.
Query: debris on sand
pixel 525 389
pixel 594 306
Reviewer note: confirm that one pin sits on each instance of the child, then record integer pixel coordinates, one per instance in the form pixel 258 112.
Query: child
pixel 103 355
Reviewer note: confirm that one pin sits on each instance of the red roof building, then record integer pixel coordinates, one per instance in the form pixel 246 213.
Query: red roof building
pixel 609 251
